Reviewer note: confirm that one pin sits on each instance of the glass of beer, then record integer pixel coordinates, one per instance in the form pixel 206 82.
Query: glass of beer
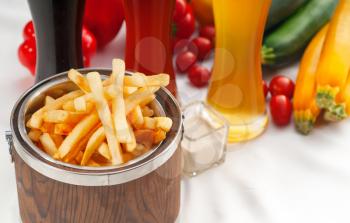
pixel 236 87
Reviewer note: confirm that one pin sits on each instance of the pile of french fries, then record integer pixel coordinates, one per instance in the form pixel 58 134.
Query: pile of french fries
pixel 105 122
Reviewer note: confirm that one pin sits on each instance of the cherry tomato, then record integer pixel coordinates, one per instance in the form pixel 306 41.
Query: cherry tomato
pixel 281 85
pixel 179 44
pixel 88 42
pixel 185 60
pixel 180 10
pixel 281 110
pixel 27 54
pixel 186 26
pixel 199 76
pixel 104 19
pixel 28 31
pixel 208 32
pixel 266 89
pixel 201 47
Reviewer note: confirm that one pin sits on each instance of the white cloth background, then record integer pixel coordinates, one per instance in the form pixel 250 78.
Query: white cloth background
pixel 281 177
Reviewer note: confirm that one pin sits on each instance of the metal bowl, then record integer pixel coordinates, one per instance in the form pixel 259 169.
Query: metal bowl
pixel 165 104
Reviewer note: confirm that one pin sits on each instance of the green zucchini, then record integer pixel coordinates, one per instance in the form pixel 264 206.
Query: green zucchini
pixel 281 10
pixel 287 41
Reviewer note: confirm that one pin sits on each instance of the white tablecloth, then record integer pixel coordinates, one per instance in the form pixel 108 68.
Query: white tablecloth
pixel 281 177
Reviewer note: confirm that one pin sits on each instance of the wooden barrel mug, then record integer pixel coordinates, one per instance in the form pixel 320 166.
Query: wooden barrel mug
pixel 146 189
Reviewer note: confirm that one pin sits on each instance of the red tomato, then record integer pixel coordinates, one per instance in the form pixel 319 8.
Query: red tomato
pixel 201 47
pixel 185 60
pixel 180 10
pixel 281 85
pixel 281 110
pixel 27 54
pixel 186 26
pixel 28 31
pixel 179 44
pixel 88 42
pixel 104 19
pixel 199 76
pixel 208 32
pixel 266 89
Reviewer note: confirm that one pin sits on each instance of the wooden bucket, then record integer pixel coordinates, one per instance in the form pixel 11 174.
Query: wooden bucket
pixel 146 189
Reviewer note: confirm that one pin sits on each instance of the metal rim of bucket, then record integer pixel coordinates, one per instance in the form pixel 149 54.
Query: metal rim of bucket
pixel 93 176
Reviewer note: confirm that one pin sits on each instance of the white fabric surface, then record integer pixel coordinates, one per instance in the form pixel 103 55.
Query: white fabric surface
pixel 279 177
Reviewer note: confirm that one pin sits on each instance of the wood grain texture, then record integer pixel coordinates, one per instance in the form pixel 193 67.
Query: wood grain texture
pixel 151 199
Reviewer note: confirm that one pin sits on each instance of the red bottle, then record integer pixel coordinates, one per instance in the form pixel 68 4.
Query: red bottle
pixel 148 37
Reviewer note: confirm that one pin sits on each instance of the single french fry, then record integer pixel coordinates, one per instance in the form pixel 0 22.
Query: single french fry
pixel 48 144
pixel 81 145
pixel 62 116
pixel 78 79
pixel 118 105
pixel 136 118
pixel 128 157
pixel 141 80
pixel 104 151
pixel 69 106
pixel 138 97
pixel 129 147
pixel 159 136
pixel 62 129
pixel 104 113
pixel 49 100
pixel 163 123
pixel 147 111
pixel 79 131
pixel 36 119
pixel 80 104
pixel 79 157
pixel 94 142
pixel 58 139
pixel 129 90
pixel 34 135
pixel 73 162
pixel 92 163
pixel 56 116
pixel 47 127
pixel 149 123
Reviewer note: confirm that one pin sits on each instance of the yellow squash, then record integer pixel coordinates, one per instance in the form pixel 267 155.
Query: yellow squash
pixel 305 108
pixel 334 63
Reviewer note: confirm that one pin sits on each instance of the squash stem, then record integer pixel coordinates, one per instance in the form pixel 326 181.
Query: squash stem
pixel 325 97
pixel 336 113
pixel 268 55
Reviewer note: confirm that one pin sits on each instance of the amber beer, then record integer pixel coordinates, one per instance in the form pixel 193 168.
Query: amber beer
pixel 236 86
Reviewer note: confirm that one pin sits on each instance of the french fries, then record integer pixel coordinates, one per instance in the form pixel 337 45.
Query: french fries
pixel 104 113
pixel 36 120
pixel 106 122
pixel 81 129
pixel 118 105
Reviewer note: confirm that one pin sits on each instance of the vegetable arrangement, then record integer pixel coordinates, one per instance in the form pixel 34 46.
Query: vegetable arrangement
pixel 323 81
